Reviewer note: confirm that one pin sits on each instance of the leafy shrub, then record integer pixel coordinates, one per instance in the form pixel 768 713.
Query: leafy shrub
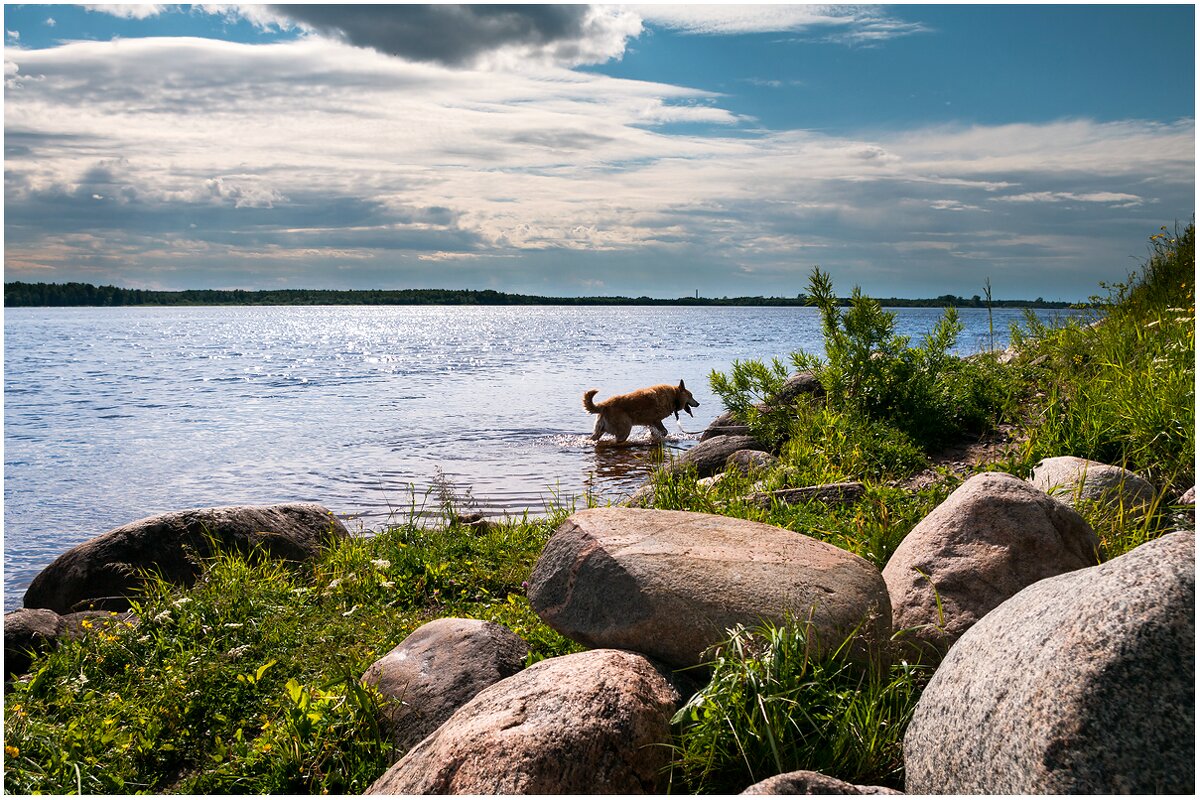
pixel 774 704
pixel 926 392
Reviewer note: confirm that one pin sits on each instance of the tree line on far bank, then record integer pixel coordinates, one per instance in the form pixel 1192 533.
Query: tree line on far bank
pixel 18 293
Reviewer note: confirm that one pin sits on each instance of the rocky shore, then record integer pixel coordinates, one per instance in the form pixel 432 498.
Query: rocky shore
pixel 1056 671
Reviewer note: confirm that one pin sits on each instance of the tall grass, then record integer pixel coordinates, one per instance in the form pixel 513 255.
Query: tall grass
pixel 1121 390
pixel 775 704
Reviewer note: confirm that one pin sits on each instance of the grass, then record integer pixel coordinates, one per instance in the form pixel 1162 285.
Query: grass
pixel 1121 389
pixel 774 704
pixel 248 682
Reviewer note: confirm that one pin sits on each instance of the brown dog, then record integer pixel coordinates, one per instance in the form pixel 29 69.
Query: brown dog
pixel 649 407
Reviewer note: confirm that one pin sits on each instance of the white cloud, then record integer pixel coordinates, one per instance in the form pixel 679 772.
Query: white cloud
pixel 50 22
pixel 128 10
pixel 856 24
pixel 14 35
pixel 1118 198
pixel 313 152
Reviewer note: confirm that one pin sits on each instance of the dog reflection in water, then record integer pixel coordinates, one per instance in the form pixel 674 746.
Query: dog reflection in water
pixel 649 407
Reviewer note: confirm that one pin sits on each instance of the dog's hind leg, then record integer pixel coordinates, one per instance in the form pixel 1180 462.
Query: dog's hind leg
pixel 621 429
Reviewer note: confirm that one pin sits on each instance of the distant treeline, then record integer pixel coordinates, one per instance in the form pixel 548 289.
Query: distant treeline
pixel 85 294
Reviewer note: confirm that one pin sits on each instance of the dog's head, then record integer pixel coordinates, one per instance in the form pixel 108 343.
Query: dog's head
pixel 684 400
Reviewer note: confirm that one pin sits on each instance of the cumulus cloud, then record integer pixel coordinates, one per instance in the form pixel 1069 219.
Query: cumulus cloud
pixel 228 161
pixel 460 35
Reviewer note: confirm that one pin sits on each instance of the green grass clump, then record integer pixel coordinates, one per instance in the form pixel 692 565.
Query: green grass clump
pixel 1121 390
pixel 248 682
pixel 775 704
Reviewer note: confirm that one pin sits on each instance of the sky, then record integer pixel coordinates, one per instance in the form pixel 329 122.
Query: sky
pixel 913 151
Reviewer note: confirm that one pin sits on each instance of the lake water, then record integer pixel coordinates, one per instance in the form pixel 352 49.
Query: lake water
pixel 113 414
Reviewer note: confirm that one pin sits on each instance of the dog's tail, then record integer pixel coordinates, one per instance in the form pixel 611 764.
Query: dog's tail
pixel 588 405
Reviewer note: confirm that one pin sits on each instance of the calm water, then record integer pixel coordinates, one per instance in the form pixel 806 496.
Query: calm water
pixel 111 415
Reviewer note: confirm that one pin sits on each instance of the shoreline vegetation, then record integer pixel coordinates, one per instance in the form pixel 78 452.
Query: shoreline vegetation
pixel 19 294
pixel 249 680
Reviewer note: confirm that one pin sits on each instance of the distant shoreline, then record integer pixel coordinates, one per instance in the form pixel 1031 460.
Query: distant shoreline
pixel 49 295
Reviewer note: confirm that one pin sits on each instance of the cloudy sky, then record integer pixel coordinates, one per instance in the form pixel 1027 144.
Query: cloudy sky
pixel 568 150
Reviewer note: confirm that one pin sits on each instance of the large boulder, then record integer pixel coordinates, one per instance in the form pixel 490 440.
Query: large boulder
pixel 103 570
pixel 1072 479
pixel 589 723
pixel 991 538
pixel 437 669
pixel 807 782
pixel 671 583
pixel 1080 684
pixel 709 457
pixel 28 632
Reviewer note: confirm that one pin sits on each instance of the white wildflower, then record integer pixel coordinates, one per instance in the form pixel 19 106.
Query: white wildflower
pixel 388 584
pixel 237 651
pixel 381 563
pixel 336 582
pixel 351 611
pixel 233 624
pixel 162 616
pixel 182 602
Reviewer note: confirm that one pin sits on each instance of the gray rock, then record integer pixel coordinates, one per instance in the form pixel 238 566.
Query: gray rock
pixel 83 623
pixel 1188 498
pixel 807 782
pixel 726 424
pixel 28 631
pixel 1071 479
pixel 106 566
pixel 1080 684
pixel 991 538
pixel 831 494
pixel 588 723
pixel 437 669
pixel 643 497
pixel 799 384
pixel 671 583
pixel 747 461
pixel 709 457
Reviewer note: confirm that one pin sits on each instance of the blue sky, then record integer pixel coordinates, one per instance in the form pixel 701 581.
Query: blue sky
pixel 658 150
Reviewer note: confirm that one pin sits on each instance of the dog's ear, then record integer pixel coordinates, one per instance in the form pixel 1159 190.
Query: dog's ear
pixel 681 386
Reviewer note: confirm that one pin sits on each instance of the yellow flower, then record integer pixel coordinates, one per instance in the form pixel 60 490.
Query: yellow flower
pixel 11 751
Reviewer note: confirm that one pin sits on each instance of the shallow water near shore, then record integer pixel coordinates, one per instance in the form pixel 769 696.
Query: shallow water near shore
pixel 113 414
